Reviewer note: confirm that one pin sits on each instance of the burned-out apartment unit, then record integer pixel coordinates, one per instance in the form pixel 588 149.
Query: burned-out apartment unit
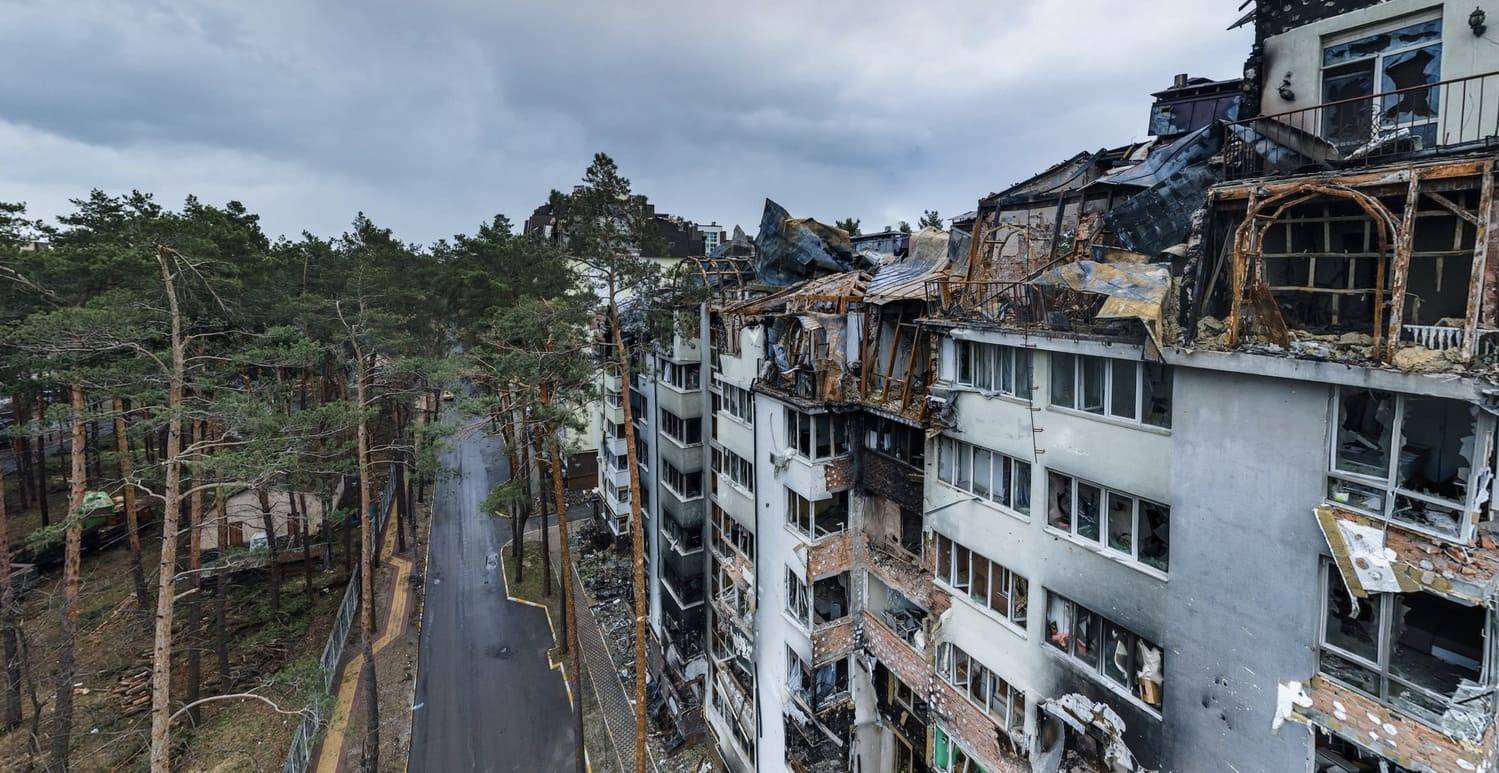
pixel 1176 456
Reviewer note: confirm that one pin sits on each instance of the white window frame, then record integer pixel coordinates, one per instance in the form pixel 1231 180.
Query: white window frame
pixel 1003 365
pixel 1379 57
pixel 1109 364
pixel 964 455
pixel 1480 474
pixel 1102 542
pixel 798 590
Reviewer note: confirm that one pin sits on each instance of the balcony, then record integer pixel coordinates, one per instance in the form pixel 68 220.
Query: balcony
pixel 1047 301
pixel 1418 121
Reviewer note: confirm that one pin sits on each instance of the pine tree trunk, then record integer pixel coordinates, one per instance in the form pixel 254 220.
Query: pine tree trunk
pixel 221 590
pixel 569 614
pixel 637 535
pixel 194 604
pixel 9 650
pixel 62 726
pixel 161 650
pixel 366 577
pixel 539 496
pixel 268 522
pixel 520 511
pixel 132 519
pixel 299 511
pixel 41 459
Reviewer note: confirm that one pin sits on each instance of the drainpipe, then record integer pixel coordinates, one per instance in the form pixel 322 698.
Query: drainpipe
pixel 759 602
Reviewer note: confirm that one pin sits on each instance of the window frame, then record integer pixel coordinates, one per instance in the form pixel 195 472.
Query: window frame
pixel 1098 664
pixel 1386 606
pixel 1105 520
pixel 960 456
pixel 1002 364
pixel 1078 366
pixel 837 429
pixel 1377 60
pixel 948 656
pixel 1016 593
pixel 1479 477
pixel 797 589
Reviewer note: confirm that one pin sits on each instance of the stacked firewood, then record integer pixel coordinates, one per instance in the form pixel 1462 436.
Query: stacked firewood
pixel 133 690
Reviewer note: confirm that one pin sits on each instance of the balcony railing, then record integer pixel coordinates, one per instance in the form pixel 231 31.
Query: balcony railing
pixel 1450 115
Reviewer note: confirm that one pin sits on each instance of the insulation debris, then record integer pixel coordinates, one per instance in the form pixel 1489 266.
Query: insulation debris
pixel 1134 290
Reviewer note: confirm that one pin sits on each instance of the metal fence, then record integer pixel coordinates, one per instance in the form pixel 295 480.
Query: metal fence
pixel 305 739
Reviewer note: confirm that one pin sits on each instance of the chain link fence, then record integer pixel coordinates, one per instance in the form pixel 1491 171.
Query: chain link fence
pixel 305 740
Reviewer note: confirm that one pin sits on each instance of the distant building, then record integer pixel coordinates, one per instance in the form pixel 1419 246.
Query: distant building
pixel 713 236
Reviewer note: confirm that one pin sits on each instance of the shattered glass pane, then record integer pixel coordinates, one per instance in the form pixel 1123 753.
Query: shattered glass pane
pixel 1418 702
pixel 1356 495
pixel 1436 443
pixel 1410 70
pixel 1058 622
pixel 1116 655
pixel 1362 48
pixel 1353 633
pixel 1001 492
pixel 1157 398
pixel 1020 594
pixel 1436 642
pixel 1089 504
pixel 1349 673
pixel 1427 515
pixel 1366 421
pixel 1085 637
pixel 1155 535
pixel 1348 123
pixel 1059 501
pixel 945 460
pixel 1121 522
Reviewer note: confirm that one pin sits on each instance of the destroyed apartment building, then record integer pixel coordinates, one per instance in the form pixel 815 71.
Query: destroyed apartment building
pixel 1176 456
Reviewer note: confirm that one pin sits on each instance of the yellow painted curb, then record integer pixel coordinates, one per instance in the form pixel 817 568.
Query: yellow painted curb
pixel 555 665
pixel 348 687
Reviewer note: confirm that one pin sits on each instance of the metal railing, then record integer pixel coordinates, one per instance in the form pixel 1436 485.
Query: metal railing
pixel 1445 115
pixel 1015 303
pixel 299 758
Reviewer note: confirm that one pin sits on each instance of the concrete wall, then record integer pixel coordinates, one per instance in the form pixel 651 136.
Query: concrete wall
pixel 1249 456
pixel 1134 459
pixel 1299 53
pixel 775 549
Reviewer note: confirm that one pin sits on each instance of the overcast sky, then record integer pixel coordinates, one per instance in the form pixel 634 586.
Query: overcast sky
pixel 432 116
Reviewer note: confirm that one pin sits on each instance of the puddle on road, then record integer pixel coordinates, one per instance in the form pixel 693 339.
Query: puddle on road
pixel 492 562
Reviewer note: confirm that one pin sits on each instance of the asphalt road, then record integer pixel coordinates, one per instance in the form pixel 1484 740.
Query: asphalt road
pixel 486 699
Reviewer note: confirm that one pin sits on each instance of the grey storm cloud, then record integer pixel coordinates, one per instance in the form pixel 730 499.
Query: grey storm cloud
pixel 433 116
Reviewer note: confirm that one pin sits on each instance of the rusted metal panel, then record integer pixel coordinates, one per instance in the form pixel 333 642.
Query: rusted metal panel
pixel 1388 176
pixel 1480 262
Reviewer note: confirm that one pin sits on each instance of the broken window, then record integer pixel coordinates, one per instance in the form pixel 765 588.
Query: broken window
pixel 910 530
pixel 1430 483
pixel 1402 63
pixel 995 368
pixel 681 377
pixel 684 431
pixel 1127 525
pixel 1105 647
pixel 797 603
pixel 738 402
pixel 896 440
pixel 1124 389
pixel 987 583
pixel 798 676
pixel 990 475
pixel 831 680
pixel 949 757
pixel 830 599
pixel 815 520
pixel 819 436
pixel 686 485
pixel 1412 651
pixel 992 694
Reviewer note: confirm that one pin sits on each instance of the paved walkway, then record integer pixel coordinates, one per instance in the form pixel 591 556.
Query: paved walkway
pixel 391 626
